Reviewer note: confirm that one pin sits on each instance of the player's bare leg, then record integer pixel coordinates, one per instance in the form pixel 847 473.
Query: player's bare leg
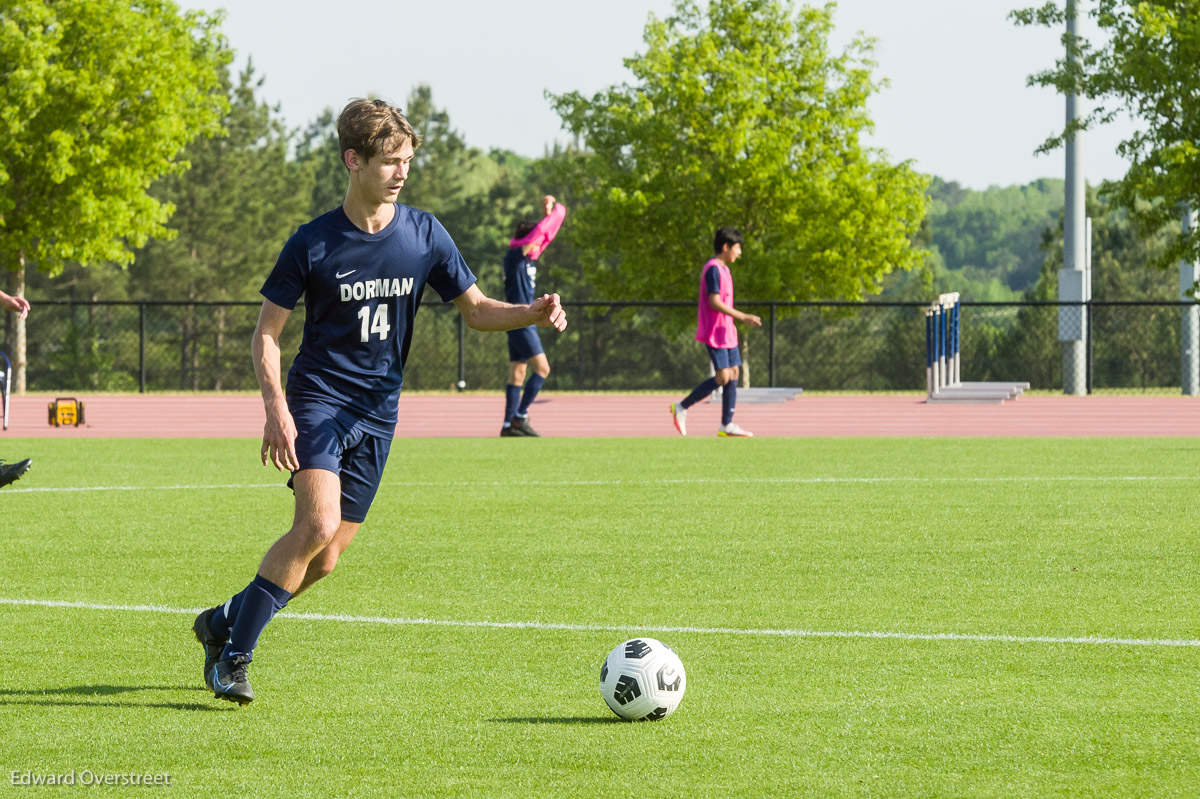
pixel 325 561
pixel 317 520
pixel 315 525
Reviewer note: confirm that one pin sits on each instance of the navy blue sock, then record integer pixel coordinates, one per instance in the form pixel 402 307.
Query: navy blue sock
pixel 532 386
pixel 728 402
pixel 222 621
pixel 263 599
pixel 512 395
pixel 700 392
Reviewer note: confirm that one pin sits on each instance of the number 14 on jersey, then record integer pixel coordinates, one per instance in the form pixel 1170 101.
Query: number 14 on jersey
pixel 377 325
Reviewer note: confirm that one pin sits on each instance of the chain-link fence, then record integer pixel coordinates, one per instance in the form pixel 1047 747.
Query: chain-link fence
pixel 173 346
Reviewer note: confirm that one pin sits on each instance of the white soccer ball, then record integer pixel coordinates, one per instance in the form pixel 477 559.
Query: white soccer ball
pixel 642 680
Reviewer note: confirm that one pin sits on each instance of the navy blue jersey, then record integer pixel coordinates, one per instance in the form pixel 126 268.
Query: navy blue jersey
pixel 520 276
pixel 362 291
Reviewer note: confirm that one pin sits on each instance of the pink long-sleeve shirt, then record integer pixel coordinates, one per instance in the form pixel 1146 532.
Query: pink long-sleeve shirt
pixel 543 232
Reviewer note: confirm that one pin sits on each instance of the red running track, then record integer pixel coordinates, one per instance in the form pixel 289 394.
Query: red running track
pixel 612 415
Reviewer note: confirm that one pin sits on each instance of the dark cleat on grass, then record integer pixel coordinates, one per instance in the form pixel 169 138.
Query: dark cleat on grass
pixel 213 645
pixel 229 680
pixel 11 472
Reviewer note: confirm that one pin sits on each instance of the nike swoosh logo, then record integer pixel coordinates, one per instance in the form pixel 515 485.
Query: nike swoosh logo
pixel 217 682
pixel 340 275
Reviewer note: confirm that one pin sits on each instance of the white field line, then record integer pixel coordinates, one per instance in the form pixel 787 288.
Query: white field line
pixel 640 630
pixel 652 482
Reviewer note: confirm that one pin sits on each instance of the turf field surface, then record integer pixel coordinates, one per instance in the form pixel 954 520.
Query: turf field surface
pixel 893 617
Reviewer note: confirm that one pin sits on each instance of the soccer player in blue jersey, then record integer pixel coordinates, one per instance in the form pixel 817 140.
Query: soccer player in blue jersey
pixel 362 268
pixel 524 344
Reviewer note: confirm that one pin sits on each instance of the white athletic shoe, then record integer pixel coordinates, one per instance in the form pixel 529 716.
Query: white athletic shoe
pixel 679 414
pixel 732 429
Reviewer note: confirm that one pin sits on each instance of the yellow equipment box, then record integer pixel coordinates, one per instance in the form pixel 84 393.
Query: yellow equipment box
pixel 66 412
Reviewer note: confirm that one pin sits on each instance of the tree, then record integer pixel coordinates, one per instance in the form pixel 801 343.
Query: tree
pixel 1147 69
pixel 740 116
pixel 318 150
pixel 98 99
pixel 234 209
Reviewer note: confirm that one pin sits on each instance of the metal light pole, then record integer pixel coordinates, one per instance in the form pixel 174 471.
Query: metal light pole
pixel 1074 279
pixel 1189 272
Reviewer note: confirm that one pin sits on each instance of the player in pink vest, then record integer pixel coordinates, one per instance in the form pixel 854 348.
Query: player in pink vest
pixel 715 316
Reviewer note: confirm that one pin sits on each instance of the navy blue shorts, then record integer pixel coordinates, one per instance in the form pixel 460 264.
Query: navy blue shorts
pixel 523 344
pixel 724 358
pixel 327 440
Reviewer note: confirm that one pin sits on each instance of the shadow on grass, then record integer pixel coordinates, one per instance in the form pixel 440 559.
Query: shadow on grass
pixel 41 697
pixel 561 720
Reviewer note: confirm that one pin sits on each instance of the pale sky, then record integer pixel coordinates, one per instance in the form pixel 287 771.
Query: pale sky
pixel 957 104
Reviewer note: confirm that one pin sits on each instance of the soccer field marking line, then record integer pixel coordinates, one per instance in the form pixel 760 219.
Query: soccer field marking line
pixel 1135 478
pixel 636 629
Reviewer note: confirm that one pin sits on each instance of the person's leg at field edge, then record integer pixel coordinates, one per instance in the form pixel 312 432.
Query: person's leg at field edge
pixel 512 396
pixel 729 428
pixel 303 555
pixel 541 370
pixel 724 375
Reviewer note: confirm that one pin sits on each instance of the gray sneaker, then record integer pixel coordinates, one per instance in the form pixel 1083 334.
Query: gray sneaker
pixel 511 431
pixel 229 680
pixel 522 424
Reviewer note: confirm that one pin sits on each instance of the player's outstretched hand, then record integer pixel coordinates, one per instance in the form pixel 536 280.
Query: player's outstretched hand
pixel 752 320
pixel 18 305
pixel 279 440
pixel 548 203
pixel 549 312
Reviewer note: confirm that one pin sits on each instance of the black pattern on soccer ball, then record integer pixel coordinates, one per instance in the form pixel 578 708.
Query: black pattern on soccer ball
pixel 627 690
pixel 655 715
pixel 637 649
pixel 665 683
pixel 604 672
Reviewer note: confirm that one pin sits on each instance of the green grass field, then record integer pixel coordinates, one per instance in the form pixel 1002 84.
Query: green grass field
pixel 772 553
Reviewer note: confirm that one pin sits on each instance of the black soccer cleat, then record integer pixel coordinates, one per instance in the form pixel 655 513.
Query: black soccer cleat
pixel 11 472
pixel 213 645
pixel 511 431
pixel 229 680
pixel 525 427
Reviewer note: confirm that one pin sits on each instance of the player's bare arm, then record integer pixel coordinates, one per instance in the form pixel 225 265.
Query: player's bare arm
pixel 714 300
pixel 18 305
pixel 484 313
pixel 279 432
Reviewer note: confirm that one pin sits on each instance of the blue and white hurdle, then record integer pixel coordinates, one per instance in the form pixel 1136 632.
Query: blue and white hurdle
pixel 943 359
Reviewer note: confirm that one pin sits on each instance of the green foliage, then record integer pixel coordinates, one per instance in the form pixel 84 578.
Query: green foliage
pixel 1145 68
pixel 235 207
pixel 84 358
pixel 99 98
pixel 740 116
pixel 1134 347
pixel 318 150
pixel 986 245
